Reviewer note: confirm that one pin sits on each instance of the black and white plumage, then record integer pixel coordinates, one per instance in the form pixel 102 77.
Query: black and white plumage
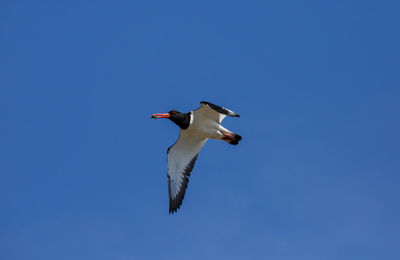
pixel 196 127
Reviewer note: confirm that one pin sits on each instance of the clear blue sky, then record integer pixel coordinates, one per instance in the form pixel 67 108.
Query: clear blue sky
pixel 83 168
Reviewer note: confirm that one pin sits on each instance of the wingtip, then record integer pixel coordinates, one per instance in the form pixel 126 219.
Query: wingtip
pixel 173 207
pixel 220 109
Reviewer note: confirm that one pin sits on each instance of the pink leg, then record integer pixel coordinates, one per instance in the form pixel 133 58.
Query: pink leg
pixel 227 136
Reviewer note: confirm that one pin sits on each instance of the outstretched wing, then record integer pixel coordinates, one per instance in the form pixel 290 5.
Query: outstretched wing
pixel 214 112
pixel 181 158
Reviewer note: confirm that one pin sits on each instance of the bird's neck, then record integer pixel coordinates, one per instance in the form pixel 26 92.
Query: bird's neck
pixel 183 121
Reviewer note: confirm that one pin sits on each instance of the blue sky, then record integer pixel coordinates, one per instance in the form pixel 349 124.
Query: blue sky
pixel 83 168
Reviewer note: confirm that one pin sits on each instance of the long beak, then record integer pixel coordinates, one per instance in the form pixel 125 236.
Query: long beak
pixel 155 116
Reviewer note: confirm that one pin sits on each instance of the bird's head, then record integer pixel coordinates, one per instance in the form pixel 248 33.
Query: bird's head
pixel 181 119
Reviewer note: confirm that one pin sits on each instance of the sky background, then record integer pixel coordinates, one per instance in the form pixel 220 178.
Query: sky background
pixel 83 168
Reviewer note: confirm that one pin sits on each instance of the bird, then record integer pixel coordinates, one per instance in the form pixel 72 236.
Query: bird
pixel 196 127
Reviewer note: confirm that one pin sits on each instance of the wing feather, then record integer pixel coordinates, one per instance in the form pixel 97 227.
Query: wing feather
pixel 215 112
pixel 181 158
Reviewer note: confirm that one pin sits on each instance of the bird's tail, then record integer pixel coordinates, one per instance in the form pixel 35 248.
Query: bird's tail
pixel 236 139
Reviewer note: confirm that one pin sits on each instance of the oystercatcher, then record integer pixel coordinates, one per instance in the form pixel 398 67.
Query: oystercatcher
pixel 196 127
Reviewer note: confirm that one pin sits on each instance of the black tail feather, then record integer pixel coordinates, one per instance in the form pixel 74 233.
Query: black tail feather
pixel 236 139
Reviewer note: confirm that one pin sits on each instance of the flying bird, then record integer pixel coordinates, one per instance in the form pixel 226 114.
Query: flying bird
pixel 196 127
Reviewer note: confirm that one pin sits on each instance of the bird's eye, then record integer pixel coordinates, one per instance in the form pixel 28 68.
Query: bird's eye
pixel 173 112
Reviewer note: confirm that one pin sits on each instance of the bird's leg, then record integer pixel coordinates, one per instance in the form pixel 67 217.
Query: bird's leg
pixel 227 136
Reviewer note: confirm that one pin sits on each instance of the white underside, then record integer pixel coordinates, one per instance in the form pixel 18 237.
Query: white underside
pixel 206 122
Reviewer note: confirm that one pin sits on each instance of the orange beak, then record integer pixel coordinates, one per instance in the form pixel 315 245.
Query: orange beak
pixel 155 116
